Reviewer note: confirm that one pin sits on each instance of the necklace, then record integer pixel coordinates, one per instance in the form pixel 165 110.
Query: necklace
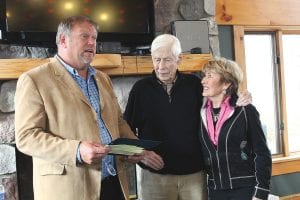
pixel 215 114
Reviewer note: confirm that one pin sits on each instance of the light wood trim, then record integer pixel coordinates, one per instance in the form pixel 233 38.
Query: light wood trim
pixel 285 142
pixel 128 67
pixel 144 64
pixel 284 29
pixel 191 63
pixel 258 12
pixel 112 64
pixel 239 53
pixel 285 165
pixel 291 197
pixel 102 61
pixel 13 68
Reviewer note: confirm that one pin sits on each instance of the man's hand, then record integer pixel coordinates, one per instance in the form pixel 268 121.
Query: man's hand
pixel 149 158
pixel 245 98
pixel 153 160
pixel 92 152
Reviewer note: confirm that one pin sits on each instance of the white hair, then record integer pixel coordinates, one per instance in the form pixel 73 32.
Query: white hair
pixel 167 41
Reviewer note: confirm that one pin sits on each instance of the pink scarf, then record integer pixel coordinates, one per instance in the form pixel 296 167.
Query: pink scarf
pixel 225 112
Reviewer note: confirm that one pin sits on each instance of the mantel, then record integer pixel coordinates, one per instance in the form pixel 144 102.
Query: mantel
pixel 112 64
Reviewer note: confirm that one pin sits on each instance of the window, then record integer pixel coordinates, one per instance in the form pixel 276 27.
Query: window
pixel 270 58
pixel 261 70
pixel 291 58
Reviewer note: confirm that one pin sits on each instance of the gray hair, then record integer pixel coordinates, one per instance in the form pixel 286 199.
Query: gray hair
pixel 167 41
pixel 65 27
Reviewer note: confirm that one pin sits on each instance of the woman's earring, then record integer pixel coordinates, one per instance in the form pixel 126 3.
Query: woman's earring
pixel 224 91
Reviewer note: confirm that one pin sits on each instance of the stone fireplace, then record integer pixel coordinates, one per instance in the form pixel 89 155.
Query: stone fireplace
pixel 15 167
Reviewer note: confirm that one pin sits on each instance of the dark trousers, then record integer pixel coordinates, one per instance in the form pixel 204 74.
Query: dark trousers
pixel 111 189
pixel 245 193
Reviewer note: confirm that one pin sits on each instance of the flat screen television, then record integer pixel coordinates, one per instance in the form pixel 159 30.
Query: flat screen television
pixel 34 22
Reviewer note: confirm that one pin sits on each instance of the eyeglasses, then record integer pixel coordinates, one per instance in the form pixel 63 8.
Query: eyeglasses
pixel 110 169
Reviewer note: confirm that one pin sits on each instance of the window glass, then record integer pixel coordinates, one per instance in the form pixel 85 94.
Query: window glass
pixel 291 58
pixel 259 55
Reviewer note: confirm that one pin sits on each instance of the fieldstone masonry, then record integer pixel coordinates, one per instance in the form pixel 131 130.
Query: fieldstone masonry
pixel 165 12
pixel 7 149
pixel 7 138
pixel 7 96
pixel 7 128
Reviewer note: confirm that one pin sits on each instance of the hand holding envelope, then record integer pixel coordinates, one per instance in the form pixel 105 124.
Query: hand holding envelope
pixel 126 146
pixel 125 149
pixel 137 151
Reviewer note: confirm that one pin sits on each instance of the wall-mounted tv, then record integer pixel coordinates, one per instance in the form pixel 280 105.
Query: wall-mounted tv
pixel 34 22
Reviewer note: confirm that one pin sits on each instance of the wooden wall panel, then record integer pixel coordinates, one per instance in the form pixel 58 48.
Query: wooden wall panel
pixel 238 35
pixel 258 12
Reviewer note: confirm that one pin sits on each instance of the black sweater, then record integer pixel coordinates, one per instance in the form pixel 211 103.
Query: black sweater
pixel 173 119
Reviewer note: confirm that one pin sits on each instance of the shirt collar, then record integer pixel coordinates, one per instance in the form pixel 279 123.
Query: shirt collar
pixel 160 82
pixel 72 71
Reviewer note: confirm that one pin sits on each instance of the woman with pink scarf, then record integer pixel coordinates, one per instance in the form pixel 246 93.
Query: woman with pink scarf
pixel 237 159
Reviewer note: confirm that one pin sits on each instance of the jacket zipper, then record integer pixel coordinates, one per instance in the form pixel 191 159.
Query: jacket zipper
pixel 220 175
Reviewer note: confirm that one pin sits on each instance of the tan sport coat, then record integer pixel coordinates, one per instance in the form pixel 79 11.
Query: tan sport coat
pixel 51 117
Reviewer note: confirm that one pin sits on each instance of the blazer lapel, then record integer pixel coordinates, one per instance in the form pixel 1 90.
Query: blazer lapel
pixel 62 75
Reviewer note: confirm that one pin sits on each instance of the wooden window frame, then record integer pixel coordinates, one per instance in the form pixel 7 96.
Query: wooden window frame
pixel 285 162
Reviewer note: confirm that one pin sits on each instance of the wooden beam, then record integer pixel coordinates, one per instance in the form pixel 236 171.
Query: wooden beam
pixel 112 64
pixel 13 68
pixel 192 62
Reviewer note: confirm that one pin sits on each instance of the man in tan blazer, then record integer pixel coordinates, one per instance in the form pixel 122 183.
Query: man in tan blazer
pixel 65 113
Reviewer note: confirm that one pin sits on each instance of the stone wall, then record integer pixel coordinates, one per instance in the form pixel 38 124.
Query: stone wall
pixel 165 12
pixel 7 139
